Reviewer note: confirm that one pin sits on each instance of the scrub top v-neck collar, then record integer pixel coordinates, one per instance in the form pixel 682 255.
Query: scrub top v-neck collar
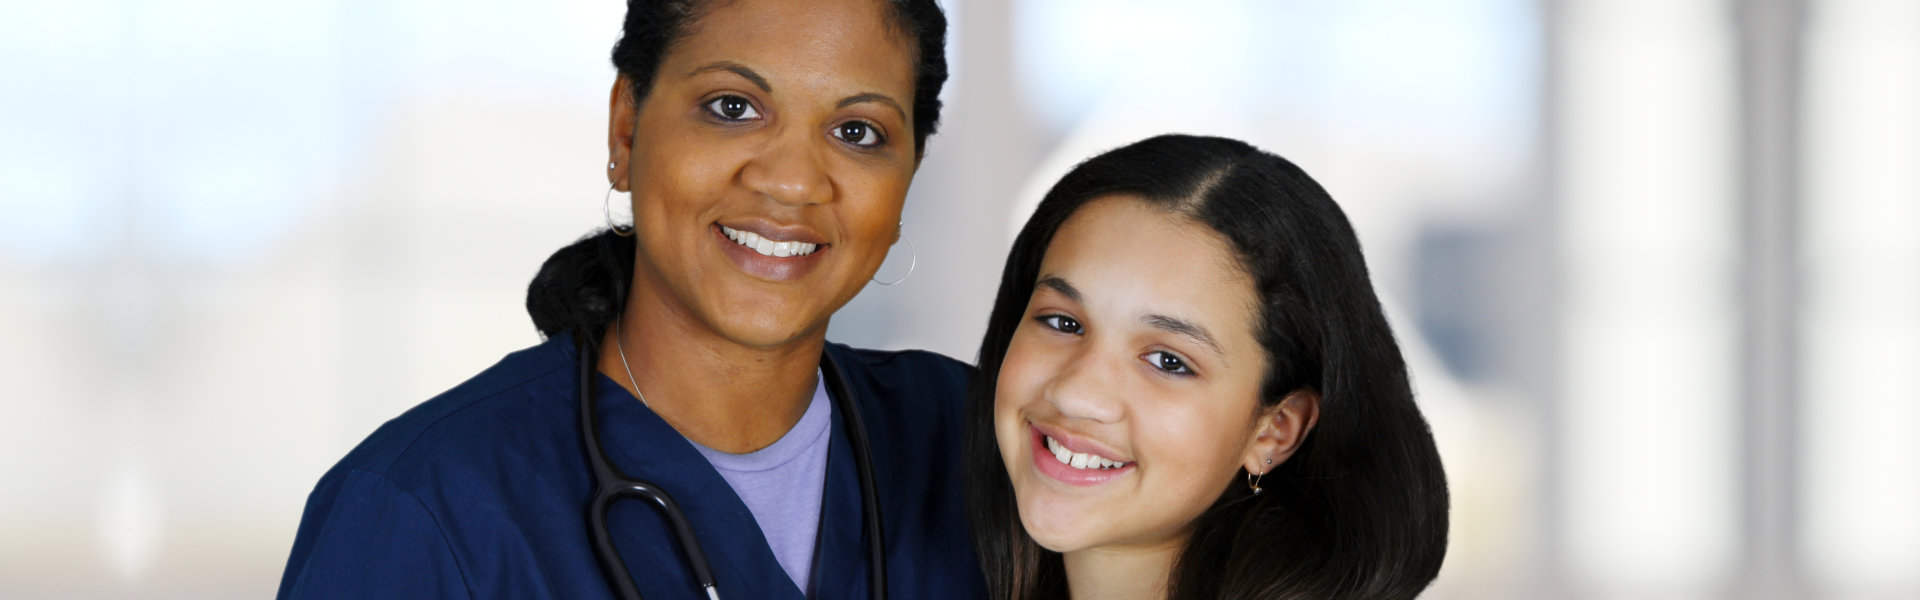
pixel 643 445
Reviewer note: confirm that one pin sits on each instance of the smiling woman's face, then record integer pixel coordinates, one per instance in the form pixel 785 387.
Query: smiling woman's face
pixel 768 164
pixel 1136 350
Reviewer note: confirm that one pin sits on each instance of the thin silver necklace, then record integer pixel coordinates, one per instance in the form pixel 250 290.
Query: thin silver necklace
pixel 623 363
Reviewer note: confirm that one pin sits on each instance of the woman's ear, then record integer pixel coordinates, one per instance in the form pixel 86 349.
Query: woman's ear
pixel 1281 429
pixel 622 113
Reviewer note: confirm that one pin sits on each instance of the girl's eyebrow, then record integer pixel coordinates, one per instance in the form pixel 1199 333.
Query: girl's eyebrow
pixel 1055 283
pixel 1186 329
pixel 1174 325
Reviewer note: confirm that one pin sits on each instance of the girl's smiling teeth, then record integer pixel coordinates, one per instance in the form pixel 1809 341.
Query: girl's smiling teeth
pixel 1080 460
pixel 764 246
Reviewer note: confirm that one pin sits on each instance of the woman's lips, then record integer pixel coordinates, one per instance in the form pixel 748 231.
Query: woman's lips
pixel 745 250
pixel 771 243
pixel 1046 460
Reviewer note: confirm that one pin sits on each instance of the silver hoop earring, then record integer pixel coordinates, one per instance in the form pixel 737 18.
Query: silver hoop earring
pixel 914 261
pixel 1253 481
pixel 606 207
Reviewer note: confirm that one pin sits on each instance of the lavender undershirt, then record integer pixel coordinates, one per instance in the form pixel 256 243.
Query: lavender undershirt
pixel 782 483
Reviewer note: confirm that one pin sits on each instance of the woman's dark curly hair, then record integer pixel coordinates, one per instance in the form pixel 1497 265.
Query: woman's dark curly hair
pixel 1360 509
pixel 582 288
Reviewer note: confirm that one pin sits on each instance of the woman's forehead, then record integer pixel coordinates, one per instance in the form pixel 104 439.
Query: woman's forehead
pixel 818 44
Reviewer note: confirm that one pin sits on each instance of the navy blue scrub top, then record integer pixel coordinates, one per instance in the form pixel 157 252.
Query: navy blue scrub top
pixel 482 491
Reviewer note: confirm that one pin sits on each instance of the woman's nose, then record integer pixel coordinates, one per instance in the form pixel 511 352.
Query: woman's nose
pixel 790 172
pixel 1089 387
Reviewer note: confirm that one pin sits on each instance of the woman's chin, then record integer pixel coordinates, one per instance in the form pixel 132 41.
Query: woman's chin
pixel 769 333
pixel 769 322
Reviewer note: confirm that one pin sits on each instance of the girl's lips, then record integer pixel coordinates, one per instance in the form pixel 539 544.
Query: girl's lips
pixel 1046 464
pixel 1076 442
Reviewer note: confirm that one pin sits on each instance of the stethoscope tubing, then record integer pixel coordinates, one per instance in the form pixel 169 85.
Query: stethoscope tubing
pixel 863 465
pixel 611 485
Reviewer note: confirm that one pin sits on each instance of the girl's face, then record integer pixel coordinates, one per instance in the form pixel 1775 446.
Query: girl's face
pixel 768 164
pixel 1128 398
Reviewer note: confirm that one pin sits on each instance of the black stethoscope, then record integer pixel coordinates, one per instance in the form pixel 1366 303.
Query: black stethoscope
pixel 611 484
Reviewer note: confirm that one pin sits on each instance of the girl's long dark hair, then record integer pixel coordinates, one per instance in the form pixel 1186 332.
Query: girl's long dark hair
pixel 1360 510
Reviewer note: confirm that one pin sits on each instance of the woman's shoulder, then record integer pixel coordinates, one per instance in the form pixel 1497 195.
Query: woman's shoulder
pixel 915 371
pixel 507 404
pixel 914 389
pixel 911 362
pixel 420 502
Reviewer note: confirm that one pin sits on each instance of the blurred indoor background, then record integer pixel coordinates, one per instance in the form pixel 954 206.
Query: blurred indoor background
pixel 1653 261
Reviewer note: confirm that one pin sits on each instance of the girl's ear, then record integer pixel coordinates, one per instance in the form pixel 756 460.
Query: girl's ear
pixel 1281 429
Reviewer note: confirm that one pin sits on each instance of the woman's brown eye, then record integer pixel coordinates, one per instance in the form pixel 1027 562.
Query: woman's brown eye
pixel 859 133
pixel 732 108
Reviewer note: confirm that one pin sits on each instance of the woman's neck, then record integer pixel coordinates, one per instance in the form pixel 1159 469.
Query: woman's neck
pixel 716 392
pixel 1121 573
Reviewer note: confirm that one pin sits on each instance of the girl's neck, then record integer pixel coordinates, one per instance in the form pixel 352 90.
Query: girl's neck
pixel 718 393
pixel 1121 573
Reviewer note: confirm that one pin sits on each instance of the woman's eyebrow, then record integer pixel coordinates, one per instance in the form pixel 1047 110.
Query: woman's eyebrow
pixel 737 69
pixel 873 97
pixel 1186 329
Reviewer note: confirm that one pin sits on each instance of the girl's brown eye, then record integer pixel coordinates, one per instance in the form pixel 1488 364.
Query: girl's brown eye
pixel 1167 361
pixel 1060 323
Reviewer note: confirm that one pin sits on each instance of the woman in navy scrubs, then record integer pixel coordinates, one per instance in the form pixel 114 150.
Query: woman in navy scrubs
pixel 768 145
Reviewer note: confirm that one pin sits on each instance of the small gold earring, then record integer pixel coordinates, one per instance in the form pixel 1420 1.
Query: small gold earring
pixel 1253 481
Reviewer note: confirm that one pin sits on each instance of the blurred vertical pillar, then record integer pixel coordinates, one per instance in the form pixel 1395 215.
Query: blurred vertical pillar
pixel 1645 177
pixel 1859 534
pixel 957 213
pixel 1540 354
pixel 989 146
pixel 1771 43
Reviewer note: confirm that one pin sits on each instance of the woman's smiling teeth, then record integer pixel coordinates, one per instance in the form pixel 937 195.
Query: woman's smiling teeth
pixel 1080 460
pixel 762 245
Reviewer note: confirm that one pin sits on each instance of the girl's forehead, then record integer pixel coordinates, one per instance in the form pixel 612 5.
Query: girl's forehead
pixel 1127 256
pixel 1130 235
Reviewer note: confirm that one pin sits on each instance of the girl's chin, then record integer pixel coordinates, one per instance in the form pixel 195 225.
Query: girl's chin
pixel 1056 543
pixel 1058 534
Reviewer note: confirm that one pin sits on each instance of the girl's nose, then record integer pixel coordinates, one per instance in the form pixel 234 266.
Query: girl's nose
pixel 1088 387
